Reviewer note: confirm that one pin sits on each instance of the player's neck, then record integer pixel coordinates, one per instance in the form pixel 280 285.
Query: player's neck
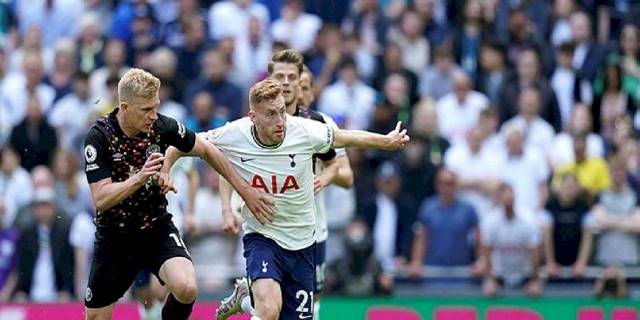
pixel 126 128
pixel 292 108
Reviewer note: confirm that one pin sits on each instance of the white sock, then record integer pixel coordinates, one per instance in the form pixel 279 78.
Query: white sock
pixel 255 318
pixel 316 310
pixel 246 306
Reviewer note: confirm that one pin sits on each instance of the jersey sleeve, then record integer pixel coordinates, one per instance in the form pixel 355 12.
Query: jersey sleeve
pixel 96 156
pixel 331 123
pixel 177 134
pixel 320 135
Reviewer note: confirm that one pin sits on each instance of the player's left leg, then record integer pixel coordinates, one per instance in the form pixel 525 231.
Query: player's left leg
pixel 298 285
pixel 172 264
pixel 180 277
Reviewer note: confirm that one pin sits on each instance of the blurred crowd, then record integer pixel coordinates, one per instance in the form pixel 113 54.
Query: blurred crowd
pixel 523 115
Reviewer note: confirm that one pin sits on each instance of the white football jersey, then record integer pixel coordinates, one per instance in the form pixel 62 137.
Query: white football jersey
pixel 284 170
pixel 322 230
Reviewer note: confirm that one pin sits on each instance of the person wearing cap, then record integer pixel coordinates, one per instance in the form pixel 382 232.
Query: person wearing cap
pixel 45 256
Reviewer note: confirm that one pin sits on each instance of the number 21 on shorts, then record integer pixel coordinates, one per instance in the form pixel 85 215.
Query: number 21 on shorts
pixel 307 299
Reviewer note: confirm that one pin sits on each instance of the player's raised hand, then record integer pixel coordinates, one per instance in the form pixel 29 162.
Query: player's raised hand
pixel 261 205
pixel 151 167
pixel 165 182
pixel 231 222
pixel 397 138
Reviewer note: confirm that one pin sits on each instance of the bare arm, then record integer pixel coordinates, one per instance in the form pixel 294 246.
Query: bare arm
pixel 79 271
pixel 418 251
pixel 364 139
pixel 344 178
pixel 327 175
pixel 107 194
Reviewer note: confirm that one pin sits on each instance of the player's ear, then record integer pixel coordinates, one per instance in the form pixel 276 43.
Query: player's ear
pixel 124 106
pixel 252 115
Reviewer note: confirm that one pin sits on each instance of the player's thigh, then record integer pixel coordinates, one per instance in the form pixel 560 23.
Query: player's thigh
pixel 113 269
pixel 298 286
pixel 103 313
pixel 266 296
pixel 180 277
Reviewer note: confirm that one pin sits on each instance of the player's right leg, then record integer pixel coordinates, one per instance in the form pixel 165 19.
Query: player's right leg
pixel 113 269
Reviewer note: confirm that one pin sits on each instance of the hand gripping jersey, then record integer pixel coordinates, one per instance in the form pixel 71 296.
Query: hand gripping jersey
pixel 285 171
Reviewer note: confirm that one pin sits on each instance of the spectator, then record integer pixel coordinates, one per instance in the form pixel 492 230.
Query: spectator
pixel 447 228
pixel 64 67
pixel 8 256
pixel 252 53
pixel 144 37
pixel 359 273
pixel 348 99
pixel 564 240
pixel 31 42
pixel 114 56
pixel 525 171
pixel 45 254
pixel 492 72
pixel 365 61
pixel 467 38
pixel 528 74
pixel 72 192
pixel 81 239
pixel 561 150
pixel 434 30
pixel 295 27
pixel 416 51
pixel 560 31
pixel 389 216
pixel 123 22
pixel 70 115
pixel 615 222
pixel 537 132
pixel 214 80
pixel 191 52
pixel 163 64
pixel 15 185
pixel 393 62
pixel 34 139
pixel 592 172
pixel 59 18
pixel 493 141
pixel 511 244
pixel 459 110
pixel 588 56
pixel 630 59
pixel 172 33
pixel 478 170
pixel 437 80
pixel 204 117
pixel 567 85
pixel 394 106
pixel 89 43
pixel 17 89
pixel 371 23
pixel 229 18
pixel 611 102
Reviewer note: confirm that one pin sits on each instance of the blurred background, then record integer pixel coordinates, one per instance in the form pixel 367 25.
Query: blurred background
pixel 521 177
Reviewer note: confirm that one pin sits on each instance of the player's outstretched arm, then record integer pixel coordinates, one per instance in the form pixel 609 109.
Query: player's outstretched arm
pixel 393 140
pixel 107 194
pixel 258 203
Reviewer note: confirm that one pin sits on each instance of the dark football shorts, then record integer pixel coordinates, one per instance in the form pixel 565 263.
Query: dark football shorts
pixel 119 257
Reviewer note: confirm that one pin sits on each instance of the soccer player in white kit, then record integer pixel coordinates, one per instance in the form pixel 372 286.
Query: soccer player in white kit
pixel 273 151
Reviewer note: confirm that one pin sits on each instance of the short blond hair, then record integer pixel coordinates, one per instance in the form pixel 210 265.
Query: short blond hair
pixel 137 83
pixel 265 90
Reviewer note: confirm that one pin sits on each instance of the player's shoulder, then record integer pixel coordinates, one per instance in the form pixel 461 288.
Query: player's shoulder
pixel 97 131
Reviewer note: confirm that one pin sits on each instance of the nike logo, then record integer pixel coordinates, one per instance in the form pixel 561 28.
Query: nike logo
pixel 246 159
pixel 304 317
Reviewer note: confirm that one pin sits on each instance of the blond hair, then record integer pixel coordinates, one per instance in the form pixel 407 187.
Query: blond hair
pixel 137 83
pixel 265 90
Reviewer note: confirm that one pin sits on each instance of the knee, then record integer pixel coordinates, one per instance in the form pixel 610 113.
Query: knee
pixel 93 314
pixel 270 310
pixel 185 290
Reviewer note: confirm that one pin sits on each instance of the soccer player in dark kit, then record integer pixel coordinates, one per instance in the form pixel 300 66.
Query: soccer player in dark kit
pixel 124 155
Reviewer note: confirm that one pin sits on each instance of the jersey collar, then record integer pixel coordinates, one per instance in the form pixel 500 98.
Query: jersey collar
pixel 254 134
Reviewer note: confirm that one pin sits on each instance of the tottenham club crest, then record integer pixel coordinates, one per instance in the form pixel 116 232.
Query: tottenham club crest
pixel 90 153
pixel 154 148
